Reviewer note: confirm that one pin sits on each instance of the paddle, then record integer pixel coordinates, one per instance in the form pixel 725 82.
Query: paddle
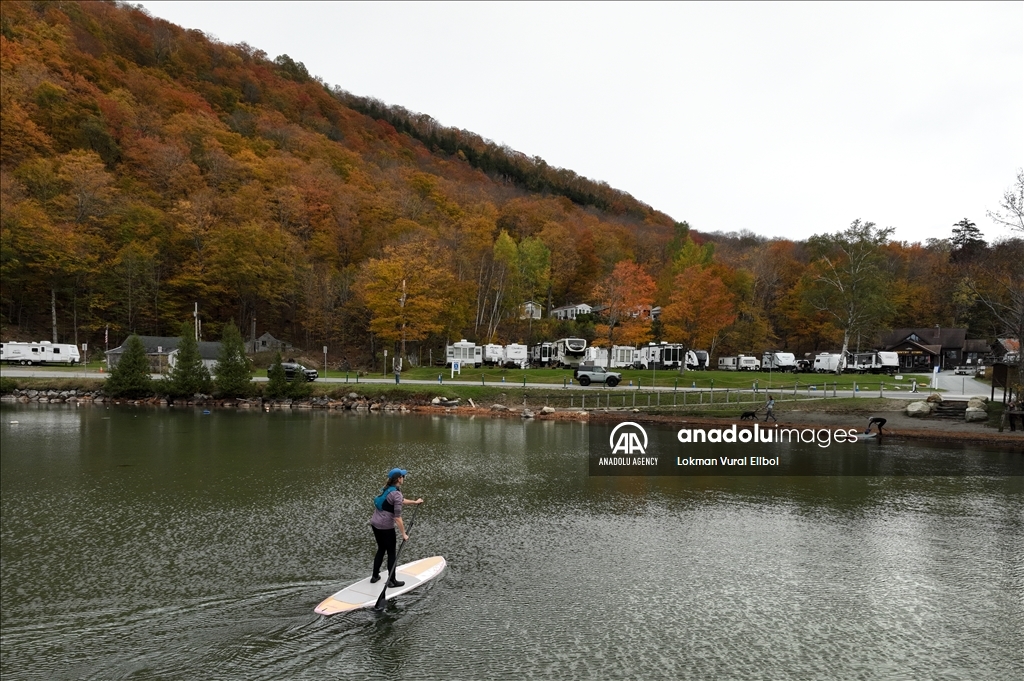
pixel 394 568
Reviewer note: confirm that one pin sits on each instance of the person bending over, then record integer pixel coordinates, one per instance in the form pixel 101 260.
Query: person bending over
pixel 876 421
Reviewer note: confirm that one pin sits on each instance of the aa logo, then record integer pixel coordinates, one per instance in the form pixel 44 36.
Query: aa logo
pixel 628 438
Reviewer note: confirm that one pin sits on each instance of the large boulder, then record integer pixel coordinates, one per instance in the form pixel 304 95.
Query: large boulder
pixel 977 403
pixel 547 410
pixel 975 414
pixel 918 409
pixel 935 398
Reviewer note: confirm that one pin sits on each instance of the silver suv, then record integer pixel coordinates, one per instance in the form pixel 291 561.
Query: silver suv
pixel 587 374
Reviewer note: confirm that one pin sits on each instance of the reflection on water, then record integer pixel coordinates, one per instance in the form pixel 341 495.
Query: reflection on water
pixel 140 543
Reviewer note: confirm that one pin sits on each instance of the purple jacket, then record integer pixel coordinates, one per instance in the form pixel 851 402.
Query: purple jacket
pixel 385 520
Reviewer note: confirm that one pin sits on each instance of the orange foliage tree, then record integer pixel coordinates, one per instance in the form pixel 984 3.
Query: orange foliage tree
pixel 626 296
pixel 699 309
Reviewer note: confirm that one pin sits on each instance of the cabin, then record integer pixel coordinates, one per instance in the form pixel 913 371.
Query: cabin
pixel 162 352
pixel 267 343
pixel 571 311
pixel 531 310
pixel 924 349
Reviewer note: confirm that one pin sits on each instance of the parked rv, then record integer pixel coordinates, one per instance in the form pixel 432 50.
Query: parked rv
pixel 697 360
pixel 516 356
pixel 465 353
pixel 568 352
pixel 661 356
pixel 875 363
pixel 540 354
pixel 828 362
pixel 623 356
pixel 43 352
pixel 494 354
pixel 778 361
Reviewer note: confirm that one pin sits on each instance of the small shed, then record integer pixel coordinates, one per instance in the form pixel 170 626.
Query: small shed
pixel 267 343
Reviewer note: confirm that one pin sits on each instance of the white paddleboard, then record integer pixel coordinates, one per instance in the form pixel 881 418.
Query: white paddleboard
pixel 362 594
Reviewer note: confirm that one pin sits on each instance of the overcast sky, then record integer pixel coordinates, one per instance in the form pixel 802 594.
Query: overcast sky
pixel 783 119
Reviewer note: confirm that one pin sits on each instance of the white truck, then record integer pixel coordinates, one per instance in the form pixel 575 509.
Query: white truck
pixel 465 353
pixel 828 362
pixel 778 361
pixel 43 352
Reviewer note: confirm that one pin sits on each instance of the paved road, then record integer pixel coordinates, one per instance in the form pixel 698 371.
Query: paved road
pixel 955 386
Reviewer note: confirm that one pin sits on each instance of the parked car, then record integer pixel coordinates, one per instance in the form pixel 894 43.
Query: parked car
pixel 293 369
pixel 594 374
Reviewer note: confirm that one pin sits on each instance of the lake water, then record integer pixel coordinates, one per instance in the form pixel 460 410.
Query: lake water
pixel 155 544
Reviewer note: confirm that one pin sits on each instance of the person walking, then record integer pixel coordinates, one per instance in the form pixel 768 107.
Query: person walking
pixel 769 410
pixel 387 515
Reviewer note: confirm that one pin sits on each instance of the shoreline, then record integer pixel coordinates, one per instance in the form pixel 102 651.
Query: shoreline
pixel 899 426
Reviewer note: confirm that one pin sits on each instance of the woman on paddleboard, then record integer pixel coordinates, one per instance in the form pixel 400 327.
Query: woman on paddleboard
pixel 387 515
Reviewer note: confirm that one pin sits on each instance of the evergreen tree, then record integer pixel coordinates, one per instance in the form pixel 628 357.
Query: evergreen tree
pixel 189 375
pixel 277 388
pixel 130 376
pixel 234 376
pixel 299 388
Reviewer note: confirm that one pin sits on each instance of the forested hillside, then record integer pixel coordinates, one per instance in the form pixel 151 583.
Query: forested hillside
pixel 146 169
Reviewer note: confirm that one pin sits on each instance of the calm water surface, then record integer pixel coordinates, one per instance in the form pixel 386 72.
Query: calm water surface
pixel 145 544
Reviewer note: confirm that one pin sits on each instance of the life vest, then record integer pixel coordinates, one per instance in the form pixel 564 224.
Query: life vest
pixel 381 501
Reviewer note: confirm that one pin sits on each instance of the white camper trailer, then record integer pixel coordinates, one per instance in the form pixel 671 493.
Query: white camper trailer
pixel 623 356
pixel 596 356
pixel 569 352
pixel 778 361
pixel 661 356
pixel 697 360
pixel 43 352
pixel 748 363
pixel 876 362
pixel 516 356
pixel 828 362
pixel 540 354
pixel 728 363
pixel 465 353
pixel 493 354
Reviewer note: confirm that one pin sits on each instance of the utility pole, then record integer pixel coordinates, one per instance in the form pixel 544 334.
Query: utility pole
pixel 195 317
pixel 402 302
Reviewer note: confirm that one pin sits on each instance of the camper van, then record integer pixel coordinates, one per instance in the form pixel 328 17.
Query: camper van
pixel 828 362
pixel 778 361
pixel 516 356
pixel 568 352
pixel 748 363
pixel 43 352
pixel 876 362
pixel 540 354
pixel 661 356
pixel 697 360
pixel 494 354
pixel 465 353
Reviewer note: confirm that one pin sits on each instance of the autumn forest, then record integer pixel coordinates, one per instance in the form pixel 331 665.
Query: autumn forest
pixel 146 169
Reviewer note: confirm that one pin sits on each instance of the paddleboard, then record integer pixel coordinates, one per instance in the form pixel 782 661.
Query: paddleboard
pixel 362 594
pixel 867 436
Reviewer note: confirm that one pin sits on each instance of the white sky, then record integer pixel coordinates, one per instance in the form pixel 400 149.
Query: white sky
pixel 784 119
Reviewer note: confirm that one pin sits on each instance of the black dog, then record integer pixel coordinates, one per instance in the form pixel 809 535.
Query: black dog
pixel 749 416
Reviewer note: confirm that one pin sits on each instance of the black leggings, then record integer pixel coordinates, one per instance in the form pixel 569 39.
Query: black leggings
pixel 385 543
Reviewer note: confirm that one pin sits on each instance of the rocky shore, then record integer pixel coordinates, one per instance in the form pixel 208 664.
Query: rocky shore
pixel 900 424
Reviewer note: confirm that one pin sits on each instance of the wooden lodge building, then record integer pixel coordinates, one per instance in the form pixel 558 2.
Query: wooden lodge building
pixel 924 349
